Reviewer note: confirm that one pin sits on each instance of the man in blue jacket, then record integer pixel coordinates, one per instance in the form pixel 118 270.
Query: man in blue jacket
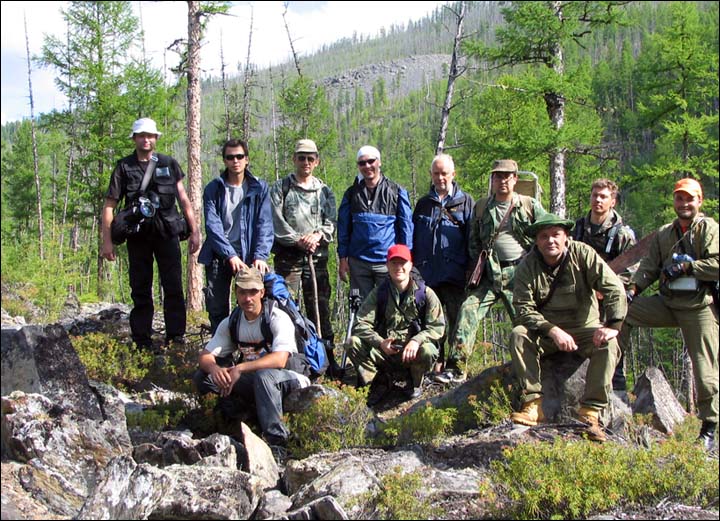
pixel 238 225
pixel 374 214
pixel 441 231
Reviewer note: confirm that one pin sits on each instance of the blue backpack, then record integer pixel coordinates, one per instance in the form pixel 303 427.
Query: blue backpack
pixel 310 345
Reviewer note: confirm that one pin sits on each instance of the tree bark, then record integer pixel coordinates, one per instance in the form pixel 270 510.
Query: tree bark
pixel 452 76
pixel 194 273
pixel 555 104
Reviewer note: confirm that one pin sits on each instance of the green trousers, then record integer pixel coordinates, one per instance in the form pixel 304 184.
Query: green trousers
pixel 528 347
pixel 700 331
pixel 370 360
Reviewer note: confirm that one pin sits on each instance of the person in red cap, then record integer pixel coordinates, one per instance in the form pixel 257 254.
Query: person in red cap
pixel 397 329
pixel 684 257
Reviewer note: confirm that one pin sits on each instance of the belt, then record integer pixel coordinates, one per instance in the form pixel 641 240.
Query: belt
pixel 507 264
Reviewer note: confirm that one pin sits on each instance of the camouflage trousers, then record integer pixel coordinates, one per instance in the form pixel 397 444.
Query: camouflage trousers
pixel 296 272
pixel 527 347
pixel 699 330
pixel 371 360
pixel 474 308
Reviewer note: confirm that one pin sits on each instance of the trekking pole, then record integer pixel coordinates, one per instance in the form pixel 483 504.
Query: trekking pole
pixel 354 300
pixel 315 294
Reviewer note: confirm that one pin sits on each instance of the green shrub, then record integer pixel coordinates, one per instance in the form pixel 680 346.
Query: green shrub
pixel 494 404
pixel 330 423
pixel 572 479
pixel 426 425
pixel 399 497
pixel 111 361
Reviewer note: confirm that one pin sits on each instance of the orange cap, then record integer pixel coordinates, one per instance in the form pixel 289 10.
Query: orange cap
pixel 689 186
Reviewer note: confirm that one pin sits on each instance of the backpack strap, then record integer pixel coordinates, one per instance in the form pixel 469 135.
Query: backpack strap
pixel 234 323
pixel 611 237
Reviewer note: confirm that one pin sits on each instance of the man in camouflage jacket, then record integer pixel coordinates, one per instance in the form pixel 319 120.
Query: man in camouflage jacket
pixel 404 337
pixel 510 244
pixel 557 310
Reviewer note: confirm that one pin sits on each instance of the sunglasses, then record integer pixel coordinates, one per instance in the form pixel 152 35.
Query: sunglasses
pixel 230 157
pixel 309 159
pixel 367 161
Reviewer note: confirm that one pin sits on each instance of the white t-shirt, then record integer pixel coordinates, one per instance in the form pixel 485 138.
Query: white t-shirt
pixel 249 331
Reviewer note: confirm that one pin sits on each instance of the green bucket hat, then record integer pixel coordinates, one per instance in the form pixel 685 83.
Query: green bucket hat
pixel 549 219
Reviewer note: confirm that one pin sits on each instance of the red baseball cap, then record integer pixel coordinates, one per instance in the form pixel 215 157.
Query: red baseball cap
pixel 399 250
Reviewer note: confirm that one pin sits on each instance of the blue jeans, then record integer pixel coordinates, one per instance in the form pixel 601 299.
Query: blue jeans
pixel 264 390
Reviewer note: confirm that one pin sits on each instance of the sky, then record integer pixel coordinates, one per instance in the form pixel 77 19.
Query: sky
pixel 312 24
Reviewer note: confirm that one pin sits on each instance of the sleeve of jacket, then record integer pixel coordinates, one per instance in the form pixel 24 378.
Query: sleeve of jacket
pixel 604 280
pixel 434 319
pixel 403 221
pixel 214 229
pixel 524 302
pixel 284 233
pixel 344 225
pixel 364 327
pixel 329 215
pixel 706 267
pixel 265 235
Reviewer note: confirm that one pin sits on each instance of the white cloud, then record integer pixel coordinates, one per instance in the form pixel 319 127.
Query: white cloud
pixel 311 24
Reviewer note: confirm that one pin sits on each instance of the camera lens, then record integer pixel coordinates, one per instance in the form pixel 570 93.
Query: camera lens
pixel 146 207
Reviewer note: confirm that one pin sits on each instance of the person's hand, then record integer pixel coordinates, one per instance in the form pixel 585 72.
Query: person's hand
pixel 194 241
pixel 344 269
pixel 675 270
pixel 309 242
pixel 261 265
pixel 410 352
pixel 386 346
pixel 236 264
pixel 221 377
pixel 603 335
pixel 563 340
pixel 108 251
pixel 234 373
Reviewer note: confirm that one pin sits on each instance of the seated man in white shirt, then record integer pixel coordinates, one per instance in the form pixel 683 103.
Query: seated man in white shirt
pixel 269 368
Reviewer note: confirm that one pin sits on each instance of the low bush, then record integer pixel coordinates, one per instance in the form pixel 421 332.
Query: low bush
pixel 111 361
pixel 426 425
pixel 399 497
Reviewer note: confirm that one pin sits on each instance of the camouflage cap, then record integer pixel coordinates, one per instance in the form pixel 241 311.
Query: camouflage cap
pixel 547 220
pixel 504 165
pixel 249 278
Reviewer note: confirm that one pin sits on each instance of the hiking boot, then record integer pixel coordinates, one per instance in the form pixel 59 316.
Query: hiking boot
pixel 707 435
pixel 459 377
pixel 411 391
pixel 591 418
pixel 531 413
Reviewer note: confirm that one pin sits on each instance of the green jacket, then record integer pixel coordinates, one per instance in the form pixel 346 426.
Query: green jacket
pixel 701 243
pixel 483 225
pixel 574 303
pixel 398 316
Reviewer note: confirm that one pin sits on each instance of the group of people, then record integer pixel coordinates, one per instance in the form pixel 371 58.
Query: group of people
pixel 419 315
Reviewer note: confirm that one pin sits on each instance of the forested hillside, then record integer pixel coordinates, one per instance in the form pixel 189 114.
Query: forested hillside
pixel 639 90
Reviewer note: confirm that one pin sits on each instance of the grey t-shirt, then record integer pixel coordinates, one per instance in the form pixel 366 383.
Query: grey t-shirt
pixel 506 246
pixel 231 220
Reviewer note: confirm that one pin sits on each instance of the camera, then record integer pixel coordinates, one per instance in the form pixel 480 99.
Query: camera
pixel 397 347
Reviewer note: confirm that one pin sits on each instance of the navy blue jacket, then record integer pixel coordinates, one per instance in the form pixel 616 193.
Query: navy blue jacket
pixel 367 229
pixel 441 236
pixel 257 235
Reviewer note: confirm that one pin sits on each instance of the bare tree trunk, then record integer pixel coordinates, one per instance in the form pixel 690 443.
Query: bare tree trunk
pixel 36 166
pixel 452 76
pixel 555 104
pixel 292 47
pixel 248 74
pixel 226 101
pixel 273 124
pixel 194 273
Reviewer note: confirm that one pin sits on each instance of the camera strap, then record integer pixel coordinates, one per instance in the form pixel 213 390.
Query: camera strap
pixel 148 173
